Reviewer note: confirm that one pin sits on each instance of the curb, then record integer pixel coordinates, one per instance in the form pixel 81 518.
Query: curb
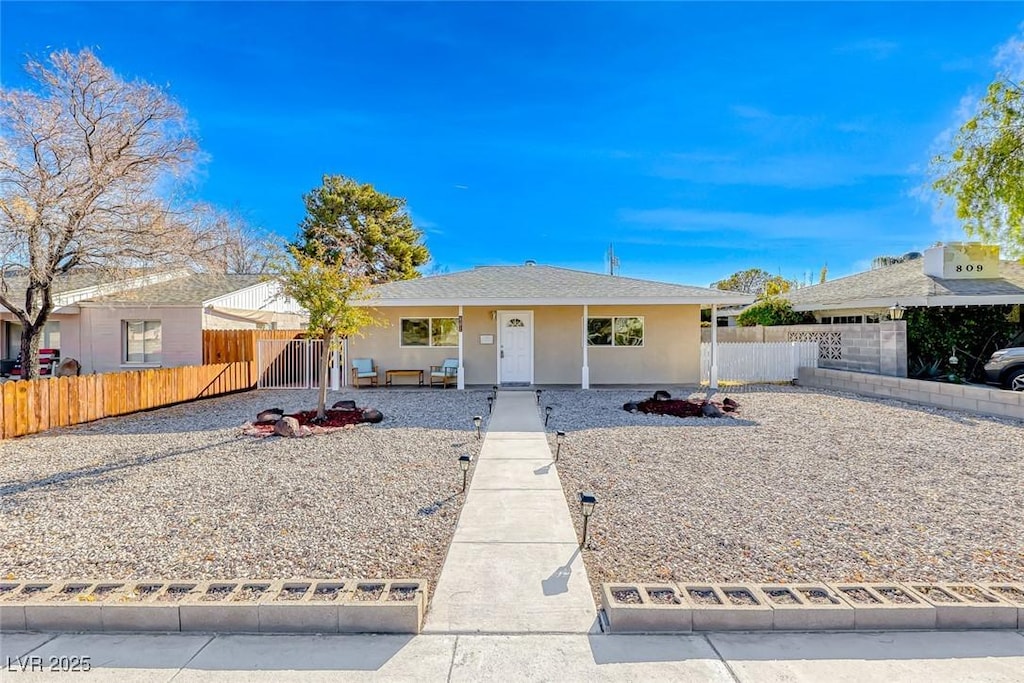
pixel 686 607
pixel 235 606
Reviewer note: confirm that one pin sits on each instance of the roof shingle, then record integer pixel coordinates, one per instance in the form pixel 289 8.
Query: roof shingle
pixel 907 283
pixel 538 284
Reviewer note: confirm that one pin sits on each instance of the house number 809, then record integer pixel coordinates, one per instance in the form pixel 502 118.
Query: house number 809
pixel 970 268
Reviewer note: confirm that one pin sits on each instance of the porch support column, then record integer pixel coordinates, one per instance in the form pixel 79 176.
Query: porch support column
pixel 461 382
pixel 585 381
pixel 714 346
pixel 336 367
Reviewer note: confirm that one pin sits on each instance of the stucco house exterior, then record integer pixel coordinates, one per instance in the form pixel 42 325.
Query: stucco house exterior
pixel 540 325
pixel 153 320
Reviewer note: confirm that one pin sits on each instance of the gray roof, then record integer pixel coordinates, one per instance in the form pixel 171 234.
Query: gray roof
pixel 905 283
pixel 194 290
pixel 69 282
pixel 541 285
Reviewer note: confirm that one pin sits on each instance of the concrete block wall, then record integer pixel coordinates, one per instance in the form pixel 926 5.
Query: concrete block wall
pixel 878 348
pixel 974 399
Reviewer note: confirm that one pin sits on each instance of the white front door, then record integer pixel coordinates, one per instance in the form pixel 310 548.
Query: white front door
pixel 515 347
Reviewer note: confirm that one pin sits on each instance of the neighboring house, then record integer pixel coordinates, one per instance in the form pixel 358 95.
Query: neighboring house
pixel 948 275
pixel 535 324
pixel 152 320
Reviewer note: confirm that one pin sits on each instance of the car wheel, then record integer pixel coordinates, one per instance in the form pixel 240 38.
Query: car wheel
pixel 1015 380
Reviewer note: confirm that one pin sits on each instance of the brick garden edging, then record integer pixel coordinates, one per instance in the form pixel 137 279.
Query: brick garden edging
pixel 666 607
pixel 236 606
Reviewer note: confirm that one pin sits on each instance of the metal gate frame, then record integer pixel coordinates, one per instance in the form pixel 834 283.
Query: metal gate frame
pixel 294 364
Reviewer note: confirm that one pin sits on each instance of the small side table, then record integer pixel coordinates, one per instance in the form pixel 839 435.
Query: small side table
pixel 389 374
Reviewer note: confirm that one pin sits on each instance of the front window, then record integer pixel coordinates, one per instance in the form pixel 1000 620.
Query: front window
pixel 429 332
pixel 615 331
pixel 142 341
pixel 50 339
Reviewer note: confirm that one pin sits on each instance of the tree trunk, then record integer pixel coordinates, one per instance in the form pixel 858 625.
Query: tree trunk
pixel 325 377
pixel 30 338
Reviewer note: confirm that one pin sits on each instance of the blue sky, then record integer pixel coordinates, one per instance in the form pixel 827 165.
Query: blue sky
pixel 700 139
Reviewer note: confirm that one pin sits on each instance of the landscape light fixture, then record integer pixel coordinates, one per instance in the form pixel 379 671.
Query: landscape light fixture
pixel 490 404
pixel 896 311
pixel 559 438
pixel 464 461
pixel 547 415
pixel 587 502
pixel 953 360
pixel 539 391
pixel 477 421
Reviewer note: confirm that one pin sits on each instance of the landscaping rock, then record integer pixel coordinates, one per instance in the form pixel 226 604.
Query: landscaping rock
pixel 69 368
pixel 372 415
pixel 630 407
pixel 662 395
pixel 729 405
pixel 288 426
pixel 344 405
pixel 270 415
pixel 709 409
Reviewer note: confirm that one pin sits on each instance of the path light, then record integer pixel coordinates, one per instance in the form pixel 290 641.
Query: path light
pixel 953 360
pixel 559 438
pixel 477 420
pixel 547 415
pixel 494 391
pixel 464 461
pixel 896 311
pixel 490 404
pixel 587 502
pixel 539 391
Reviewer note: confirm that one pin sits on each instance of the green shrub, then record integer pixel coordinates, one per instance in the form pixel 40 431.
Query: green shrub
pixel 772 311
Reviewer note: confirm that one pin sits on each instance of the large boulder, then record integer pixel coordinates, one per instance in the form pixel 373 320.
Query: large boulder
pixel 69 367
pixel 289 426
pixel 709 409
pixel 372 415
pixel 662 395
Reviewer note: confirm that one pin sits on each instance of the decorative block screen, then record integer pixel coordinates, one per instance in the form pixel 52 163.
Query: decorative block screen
pixel 830 344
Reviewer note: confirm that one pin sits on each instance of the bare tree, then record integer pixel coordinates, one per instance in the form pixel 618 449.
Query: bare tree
pixel 88 164
pixel 240 248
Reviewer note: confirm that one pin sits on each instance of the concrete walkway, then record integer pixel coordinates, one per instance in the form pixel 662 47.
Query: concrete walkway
pixel 514 564
pixel 936 657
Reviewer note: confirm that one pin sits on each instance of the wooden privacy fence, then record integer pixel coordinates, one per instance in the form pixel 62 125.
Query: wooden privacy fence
pixel 37 405
pixel 234 346
pixel 759 362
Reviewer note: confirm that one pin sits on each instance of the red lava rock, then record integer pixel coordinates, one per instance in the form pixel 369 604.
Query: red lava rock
pixel 334 420
pixel 680 408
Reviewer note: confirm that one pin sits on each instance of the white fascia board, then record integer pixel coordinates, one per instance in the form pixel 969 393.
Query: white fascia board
pixel 58 310
pixel 915 301
pixel 132 304
pixel 568 301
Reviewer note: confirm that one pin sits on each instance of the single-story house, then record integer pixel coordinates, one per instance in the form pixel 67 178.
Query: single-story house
pixel 952 274
pixel 538 324
pixel 152 320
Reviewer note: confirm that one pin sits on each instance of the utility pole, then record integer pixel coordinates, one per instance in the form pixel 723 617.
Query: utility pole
pixel 613 261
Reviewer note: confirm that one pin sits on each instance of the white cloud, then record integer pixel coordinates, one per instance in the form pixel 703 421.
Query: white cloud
pixel 794 171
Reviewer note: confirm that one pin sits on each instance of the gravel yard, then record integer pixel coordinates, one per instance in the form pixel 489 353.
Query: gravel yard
pixel 177 493
pixel 801 486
